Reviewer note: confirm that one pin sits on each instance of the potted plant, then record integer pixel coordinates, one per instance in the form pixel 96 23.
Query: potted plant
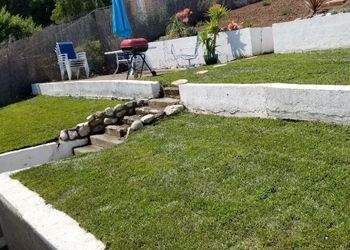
pixel 209 36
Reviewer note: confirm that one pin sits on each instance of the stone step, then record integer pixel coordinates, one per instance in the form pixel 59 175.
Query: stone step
pixel 86 150
pixel 118 131
pixel 147 110
pixel 171 92
pixel 105 140
pixel 162 103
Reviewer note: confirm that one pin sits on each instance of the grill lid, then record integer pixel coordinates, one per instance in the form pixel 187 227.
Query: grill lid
pixel 134 45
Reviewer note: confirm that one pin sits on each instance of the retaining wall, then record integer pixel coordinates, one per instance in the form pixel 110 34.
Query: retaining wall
pixel 328 103
pixel 127 89
pixel 318 33
pixel 38 155
pixel 29 223
pixel 231 45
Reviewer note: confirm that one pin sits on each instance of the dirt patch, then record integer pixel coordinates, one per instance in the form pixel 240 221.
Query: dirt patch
pixel 267 12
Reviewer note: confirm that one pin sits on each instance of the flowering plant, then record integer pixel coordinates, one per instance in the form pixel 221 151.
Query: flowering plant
pixel 232 26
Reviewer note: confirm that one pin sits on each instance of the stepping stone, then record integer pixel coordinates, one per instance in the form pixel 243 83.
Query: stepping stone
pixel 220 65
pixel 179 82
pixel 162 103
pixel 86 150
pixel 105 140
pixel 117 131
pixel 202 72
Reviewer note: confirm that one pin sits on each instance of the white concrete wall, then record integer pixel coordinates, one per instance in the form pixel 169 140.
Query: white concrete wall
pixel 38 155
pixel 318 33
pixel 327 103
pixel 29 223
pixel 231 45
pixel 99 89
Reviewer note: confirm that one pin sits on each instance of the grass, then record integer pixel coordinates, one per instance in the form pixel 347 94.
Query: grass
pixel 40 119
pixel 322 67
pixel 206 182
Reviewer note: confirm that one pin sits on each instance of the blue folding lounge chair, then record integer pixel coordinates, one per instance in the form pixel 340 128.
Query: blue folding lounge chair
pixel 69 61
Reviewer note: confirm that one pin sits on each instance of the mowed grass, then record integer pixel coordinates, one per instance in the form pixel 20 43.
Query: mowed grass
pixel 206 182
pixel 40 119
pixel 321 67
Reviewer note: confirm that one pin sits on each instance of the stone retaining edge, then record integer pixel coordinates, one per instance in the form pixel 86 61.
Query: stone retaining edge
pixel 327 103
pixel 37 224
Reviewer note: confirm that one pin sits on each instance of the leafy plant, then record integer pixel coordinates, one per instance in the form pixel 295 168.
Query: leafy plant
pixel 266 2
pixel 208 37
pixel 94 53
pixel 179 25
pixel 247 24
pixel 315 5
pixel 15 26
pixel 286 12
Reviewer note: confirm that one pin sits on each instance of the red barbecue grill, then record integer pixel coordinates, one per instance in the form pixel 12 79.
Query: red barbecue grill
pixel 136 47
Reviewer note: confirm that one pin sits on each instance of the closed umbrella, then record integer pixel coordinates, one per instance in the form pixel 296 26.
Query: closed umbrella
pixel 121 25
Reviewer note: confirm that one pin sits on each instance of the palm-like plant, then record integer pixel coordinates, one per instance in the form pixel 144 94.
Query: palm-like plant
pixel 209 35
pixel 315 5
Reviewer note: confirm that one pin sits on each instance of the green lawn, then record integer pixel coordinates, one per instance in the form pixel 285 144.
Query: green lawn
pixel 207 182
pixel 323 67
pixel 40 119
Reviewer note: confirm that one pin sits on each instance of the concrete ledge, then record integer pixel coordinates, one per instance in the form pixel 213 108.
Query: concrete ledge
pixel 38 155
pixel 318 33
pixel 328 103
pixel 36 224
pixel 99 89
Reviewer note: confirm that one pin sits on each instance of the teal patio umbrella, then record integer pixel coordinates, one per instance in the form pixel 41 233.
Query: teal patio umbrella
pixel 121 25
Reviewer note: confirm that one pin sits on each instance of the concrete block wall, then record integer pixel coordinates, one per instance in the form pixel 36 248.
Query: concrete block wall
pixel 327 103
pixel 318 33
pixel 231 45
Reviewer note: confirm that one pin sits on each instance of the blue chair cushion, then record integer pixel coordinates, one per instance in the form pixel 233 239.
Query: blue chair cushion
pixel 67 48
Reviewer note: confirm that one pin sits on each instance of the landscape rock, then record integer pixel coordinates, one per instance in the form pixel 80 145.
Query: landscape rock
pixel 118 108
pixel 64 135
pixel 131 104
pixel 90 118
pixel 136 125
pixel 98 129
pixel 148 119
pixel 99 115
pixel 72 134
pixel 159 115
pixel 146 111
pixel 173 109
pixel 202 72
pixel 110 121
pixel 109 112
pixel 179 82
pixel 83 129
pixel 120 114
pixel 140 103
pixel 130 119
pixel 96 122
pixel 129 131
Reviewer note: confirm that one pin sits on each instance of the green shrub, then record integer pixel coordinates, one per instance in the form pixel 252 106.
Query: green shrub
pixel 94 52
pixel 266 2
pixel 15 26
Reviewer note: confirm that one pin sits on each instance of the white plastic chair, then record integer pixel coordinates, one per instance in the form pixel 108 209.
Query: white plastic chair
pixel 185 56
pixel 69 61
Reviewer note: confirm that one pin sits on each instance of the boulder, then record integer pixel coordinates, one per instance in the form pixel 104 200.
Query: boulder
pixel 90 118
pixel 110 121
pixel 72 134
pixel 148 119
pixel 83 129
pixel 179 82
pixel 136 125
pixel 109 112
pixel 120 114
pixel 173 109
pixel 64 135
pixel 118 108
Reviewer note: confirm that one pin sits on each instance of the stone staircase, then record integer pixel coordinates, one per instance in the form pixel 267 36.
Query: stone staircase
pixel 117 133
